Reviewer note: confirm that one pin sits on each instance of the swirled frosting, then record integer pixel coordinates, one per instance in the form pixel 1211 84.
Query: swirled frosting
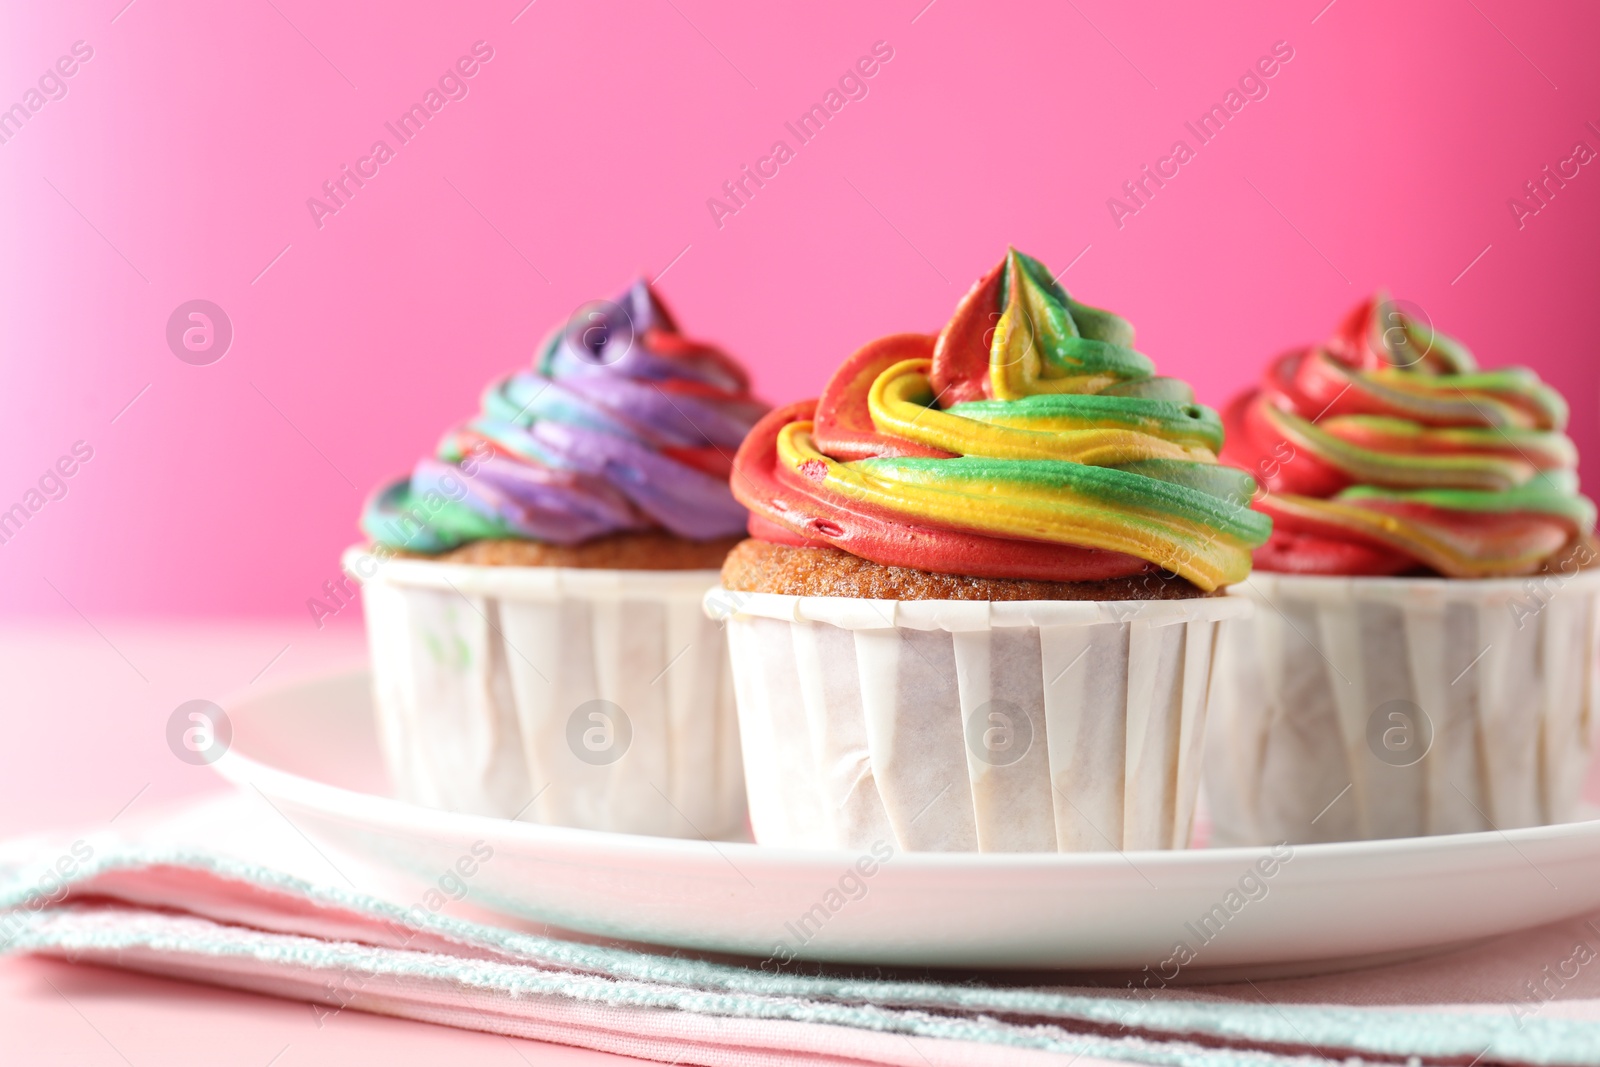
pixel 1028 440
pixel 1386 450
pixel 622 424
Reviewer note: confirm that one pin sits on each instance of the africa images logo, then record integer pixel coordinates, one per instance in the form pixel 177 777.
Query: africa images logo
pixel 452 85
pixel 199 332
pixel 52 485
pixel 199 732
pixel 852 85
pixel 1252 85
pixel 51 86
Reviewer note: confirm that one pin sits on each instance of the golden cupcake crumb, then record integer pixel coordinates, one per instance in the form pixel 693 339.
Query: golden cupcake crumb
pixel 650 550
pixel 762 567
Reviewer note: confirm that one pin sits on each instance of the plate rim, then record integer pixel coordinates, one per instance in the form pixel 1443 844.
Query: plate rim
pixel 243 772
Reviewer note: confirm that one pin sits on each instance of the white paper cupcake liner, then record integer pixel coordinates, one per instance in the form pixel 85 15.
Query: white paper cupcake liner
pixel 598 699
pixel 1353 708
pixel 940 725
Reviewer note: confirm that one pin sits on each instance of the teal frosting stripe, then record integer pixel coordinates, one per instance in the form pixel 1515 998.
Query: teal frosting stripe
pixel 448 523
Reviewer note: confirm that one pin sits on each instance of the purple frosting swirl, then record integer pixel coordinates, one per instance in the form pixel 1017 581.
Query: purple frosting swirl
pixel 622 424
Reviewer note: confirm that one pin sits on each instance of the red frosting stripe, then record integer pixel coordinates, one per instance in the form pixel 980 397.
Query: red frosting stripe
pixel 1435 537
pixel 1293 552
pixel 961 356
pixel 800 513
pixel 843 426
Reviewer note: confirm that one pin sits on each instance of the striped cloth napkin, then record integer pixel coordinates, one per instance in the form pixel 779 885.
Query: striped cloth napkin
pixel 182 897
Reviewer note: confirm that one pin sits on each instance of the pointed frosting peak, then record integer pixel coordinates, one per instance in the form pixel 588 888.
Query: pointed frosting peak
pixel 1382 332
pixel 1018 333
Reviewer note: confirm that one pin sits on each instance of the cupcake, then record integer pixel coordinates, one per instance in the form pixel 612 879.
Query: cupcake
pixel 1422 658
pixel 977 608
pixel 533 589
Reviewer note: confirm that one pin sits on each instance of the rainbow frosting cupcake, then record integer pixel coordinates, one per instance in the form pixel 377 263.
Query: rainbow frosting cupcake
pixel 532 590
pixel 1423 656
pixel 1386 451
pixel 976 608
pixel 1028 449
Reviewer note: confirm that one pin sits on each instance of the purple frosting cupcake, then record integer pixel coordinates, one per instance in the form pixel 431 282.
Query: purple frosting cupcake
pixel 533 590
pixel 622 426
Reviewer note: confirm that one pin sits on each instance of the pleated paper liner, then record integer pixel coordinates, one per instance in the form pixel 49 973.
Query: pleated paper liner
pixel 598 699
pixel 1030 726
pixel 1354 708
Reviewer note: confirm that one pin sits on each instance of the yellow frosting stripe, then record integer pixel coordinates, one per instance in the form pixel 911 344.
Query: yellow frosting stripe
pixel 901 404
pixel 1198 537
pixel 1510 396
pixel 1401 470
pixel 1435 544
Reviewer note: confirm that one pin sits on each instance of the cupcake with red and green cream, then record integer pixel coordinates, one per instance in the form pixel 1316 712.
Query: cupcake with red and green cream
pixel 1426 635
pixel 1027 451
pixel 1388 451
pixel 977 605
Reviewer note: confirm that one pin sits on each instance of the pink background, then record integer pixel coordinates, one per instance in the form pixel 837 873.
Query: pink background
pixel 179 163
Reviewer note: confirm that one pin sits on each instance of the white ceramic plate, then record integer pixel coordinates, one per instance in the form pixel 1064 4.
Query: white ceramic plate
pixel 311 749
